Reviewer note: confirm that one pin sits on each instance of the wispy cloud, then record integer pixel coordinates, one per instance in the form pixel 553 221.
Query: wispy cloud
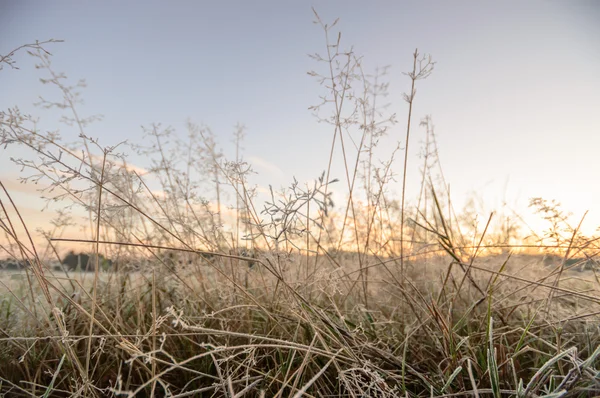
pixel 266 166
pixel 12 185
pixel 261 189
pixel 159 194
pixel 128 166
pixel 131 167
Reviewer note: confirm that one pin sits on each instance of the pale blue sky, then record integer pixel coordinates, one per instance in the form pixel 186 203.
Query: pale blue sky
pixel 515 95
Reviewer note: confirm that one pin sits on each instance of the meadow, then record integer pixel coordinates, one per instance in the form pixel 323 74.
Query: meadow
pixel 226 294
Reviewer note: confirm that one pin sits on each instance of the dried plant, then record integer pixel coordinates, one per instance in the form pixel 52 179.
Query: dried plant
pixel 200 287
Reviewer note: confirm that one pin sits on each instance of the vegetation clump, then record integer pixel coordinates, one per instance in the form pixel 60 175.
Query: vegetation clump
pixel 230 294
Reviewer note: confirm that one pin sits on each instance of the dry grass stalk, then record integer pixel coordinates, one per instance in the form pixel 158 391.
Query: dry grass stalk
pixel 299 298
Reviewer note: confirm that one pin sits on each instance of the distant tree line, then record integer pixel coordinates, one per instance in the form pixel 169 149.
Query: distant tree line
pixel 85 262
pixel 13 265
pixel 572 263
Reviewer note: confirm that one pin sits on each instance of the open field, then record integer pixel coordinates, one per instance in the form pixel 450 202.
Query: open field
pixel 199 282
pixel 224 328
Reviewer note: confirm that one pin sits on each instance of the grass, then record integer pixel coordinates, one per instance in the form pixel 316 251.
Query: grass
pixel 338 300
pixel 273 337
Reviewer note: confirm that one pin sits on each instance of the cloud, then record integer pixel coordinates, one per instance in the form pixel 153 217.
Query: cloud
pixel 12 185
pixel 116 161
pixel 160 194
pixel 131 167
pixel 266 166
pixel 261 189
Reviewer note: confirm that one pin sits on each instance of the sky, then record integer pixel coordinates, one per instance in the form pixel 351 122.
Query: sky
pixel 515 94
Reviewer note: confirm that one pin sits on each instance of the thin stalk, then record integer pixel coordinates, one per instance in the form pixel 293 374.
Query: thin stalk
pixel 410 106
